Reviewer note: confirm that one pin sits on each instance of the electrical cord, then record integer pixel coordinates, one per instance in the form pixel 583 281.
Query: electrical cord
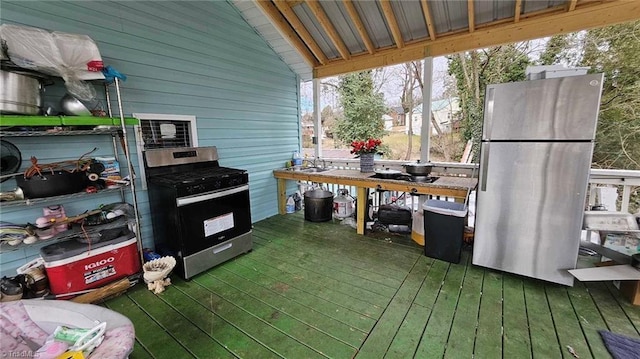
pixel 77 165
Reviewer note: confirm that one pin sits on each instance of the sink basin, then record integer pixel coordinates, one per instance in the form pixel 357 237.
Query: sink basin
pixel 315 169
pixel 309 169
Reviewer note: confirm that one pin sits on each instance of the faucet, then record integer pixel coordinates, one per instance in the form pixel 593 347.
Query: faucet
pixel 315 162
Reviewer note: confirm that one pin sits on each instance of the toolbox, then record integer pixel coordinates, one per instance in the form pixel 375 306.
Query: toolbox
pixel 73 266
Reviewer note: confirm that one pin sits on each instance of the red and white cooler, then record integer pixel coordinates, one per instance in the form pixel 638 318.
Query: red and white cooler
pixel 73 266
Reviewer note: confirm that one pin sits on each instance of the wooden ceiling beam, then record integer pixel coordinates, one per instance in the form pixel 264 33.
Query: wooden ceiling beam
pixel 589 15
pixel 428 19
pixel 299 27
pixel 571 5
pixel 282 25
pixel 328 27
pixel 516 16
pixel 357 21
pixel 387 9
pixel 471 15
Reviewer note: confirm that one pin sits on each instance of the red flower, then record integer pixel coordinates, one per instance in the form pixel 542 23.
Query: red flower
pixel 366 146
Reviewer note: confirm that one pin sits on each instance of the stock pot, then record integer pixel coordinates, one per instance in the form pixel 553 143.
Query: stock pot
pixel 20 93
pixel 418 169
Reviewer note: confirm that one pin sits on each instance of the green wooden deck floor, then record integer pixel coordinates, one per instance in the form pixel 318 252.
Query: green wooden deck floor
pixel 318 290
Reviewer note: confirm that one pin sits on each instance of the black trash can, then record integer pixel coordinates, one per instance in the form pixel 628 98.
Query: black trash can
pixel 444 229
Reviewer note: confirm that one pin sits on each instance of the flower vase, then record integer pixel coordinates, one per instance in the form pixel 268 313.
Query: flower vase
pixel 366 162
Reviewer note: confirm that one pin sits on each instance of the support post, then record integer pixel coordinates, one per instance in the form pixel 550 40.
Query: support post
pixel 317 120
pixel 282 196
pixel 425 132
pixel 362 199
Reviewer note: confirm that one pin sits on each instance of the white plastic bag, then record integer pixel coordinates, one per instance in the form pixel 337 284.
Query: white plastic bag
pixel 73 57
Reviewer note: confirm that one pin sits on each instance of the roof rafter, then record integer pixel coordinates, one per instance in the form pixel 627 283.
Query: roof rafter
pixel 393 23
pixel 571 5
pixel 353 14
pixel 328 27
pixel 471 15
pixel 585 16
pixel 297 25
pixel 287 31
pixel 428 19
pixel 516 16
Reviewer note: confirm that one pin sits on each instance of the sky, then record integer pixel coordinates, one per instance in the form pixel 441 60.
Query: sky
pixel 392 89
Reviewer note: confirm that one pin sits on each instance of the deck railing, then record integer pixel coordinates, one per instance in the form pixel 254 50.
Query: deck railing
pixel 621 184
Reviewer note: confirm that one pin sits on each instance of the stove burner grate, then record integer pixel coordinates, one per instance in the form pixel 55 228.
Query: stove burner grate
pixel 200 174
pixel 408 178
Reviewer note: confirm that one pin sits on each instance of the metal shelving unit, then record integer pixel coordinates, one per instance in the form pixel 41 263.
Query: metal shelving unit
pixel 74 232
pixel 54 126
pixel 27 132
pixel 58 199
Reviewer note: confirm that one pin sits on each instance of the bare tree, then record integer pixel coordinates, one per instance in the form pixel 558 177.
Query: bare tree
pixel 412 83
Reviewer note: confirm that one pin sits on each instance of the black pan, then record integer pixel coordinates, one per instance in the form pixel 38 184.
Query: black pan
pixel 52 184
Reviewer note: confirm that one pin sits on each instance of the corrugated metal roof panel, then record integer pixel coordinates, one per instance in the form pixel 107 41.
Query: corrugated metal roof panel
pixel 487 11
pixel 315 29
pixel 449 15
pixel 449 18
pixel 344 26
pixel 537 5
pixel 410 19
pixel 375 23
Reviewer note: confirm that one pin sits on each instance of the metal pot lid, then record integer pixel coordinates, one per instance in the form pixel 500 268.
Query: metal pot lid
pixel 44 79
pixel 388 171
pixel 418 164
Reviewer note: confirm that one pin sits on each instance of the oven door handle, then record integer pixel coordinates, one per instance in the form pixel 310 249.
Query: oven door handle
pixel 212 195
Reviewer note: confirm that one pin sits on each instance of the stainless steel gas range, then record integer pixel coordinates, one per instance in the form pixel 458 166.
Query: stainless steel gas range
pixel 200 211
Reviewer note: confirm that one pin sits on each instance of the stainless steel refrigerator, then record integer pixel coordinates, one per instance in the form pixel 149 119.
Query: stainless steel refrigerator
pixel 535 156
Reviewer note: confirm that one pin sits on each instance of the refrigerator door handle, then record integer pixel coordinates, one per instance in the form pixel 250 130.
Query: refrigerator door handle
pixel 488 116
pixel 485 167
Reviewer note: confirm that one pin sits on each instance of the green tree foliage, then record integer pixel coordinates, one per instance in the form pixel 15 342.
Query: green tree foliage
pixel 473 71
pixel 328 118
pixel 362 108
pixel 615 51
pixel 555 50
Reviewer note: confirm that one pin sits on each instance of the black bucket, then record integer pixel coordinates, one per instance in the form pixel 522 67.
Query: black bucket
pixel 318 205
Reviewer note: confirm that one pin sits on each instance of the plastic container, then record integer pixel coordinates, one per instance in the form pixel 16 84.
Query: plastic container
pixel 417 228
pixel 318 205
pixel 297 159
pixel 111 166
pixel 291 205
pixel 444 229
pixel 73 266
pixel 297 200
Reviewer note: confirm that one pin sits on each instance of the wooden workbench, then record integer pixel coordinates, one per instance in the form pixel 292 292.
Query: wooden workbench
pixel 456 187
